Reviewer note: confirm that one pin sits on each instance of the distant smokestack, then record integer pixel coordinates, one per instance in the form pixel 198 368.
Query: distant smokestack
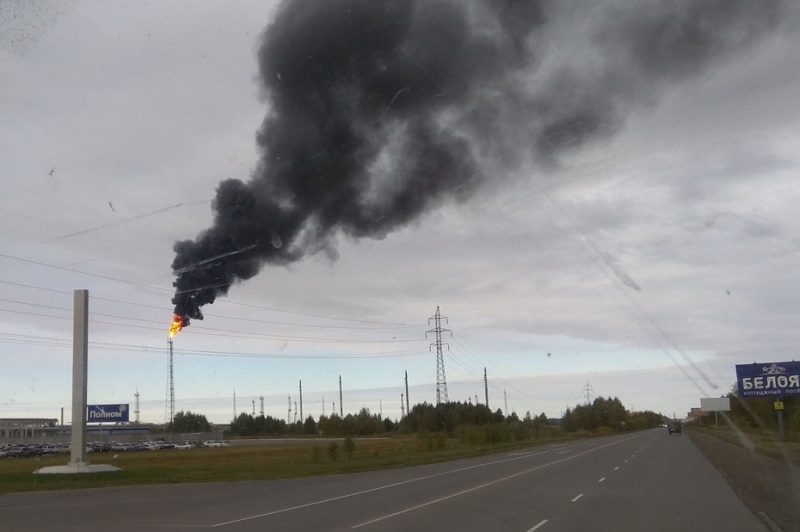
pixel 380 110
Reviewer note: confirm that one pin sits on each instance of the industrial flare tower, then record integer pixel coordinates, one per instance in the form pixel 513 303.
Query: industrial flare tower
pixel 170 389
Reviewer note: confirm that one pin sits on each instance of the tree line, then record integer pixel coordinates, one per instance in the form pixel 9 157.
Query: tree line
pixel 465 420
pixel 476 422
pixel 609 413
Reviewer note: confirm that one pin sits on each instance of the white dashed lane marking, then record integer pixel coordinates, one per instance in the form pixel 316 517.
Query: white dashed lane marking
pixel 539 525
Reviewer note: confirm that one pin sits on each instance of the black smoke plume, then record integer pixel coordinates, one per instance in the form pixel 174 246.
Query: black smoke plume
pixel 382 109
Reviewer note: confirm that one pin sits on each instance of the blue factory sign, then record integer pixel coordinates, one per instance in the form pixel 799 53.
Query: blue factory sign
pixel 768 379
pixel 107 413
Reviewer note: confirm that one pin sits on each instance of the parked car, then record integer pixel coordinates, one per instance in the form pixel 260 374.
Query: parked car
pixel 17 451
pixel 35 449
pixel 184 445
pixel 215 443
pixel 101 447
pixel 63 448
pixel 50 448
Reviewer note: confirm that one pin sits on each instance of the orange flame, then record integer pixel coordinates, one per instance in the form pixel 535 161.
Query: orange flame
pixel 177 325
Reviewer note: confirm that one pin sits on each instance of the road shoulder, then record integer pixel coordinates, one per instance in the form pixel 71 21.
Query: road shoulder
pixel 769 487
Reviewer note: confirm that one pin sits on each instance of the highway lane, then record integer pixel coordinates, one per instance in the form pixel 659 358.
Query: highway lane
pixel 666 484
pixel 647 480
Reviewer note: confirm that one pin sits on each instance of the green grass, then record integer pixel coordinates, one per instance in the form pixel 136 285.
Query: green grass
pixel 763 441
pixel 226 464
pixel 245 463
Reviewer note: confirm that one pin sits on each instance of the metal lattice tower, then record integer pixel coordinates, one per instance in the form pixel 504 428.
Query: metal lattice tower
pixel 588 390
pixel 170 389
pixel 441 380
pixel 486 387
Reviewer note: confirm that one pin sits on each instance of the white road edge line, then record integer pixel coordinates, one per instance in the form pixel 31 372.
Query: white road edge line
pixel 616 468
pixel 538 526
pixel 332 499
pixel 602 479
pixel 496 481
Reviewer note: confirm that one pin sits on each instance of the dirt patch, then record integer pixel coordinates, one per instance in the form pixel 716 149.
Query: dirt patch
pixel 768 486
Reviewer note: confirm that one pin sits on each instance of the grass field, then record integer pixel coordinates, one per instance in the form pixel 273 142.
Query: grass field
pixel 244 463
pixel 762 441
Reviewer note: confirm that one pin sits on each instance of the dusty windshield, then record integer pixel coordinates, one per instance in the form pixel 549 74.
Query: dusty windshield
pixel 373 208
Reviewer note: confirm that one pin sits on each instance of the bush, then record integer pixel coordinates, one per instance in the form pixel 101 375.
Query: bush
pixel 316 454
pixel 425 442
pixel 498 433
pixel 349 446
pixel 333 451
pixel 472 435
pixel 521 432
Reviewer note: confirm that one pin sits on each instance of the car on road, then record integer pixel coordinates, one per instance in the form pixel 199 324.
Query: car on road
pixel 215 443
pixel 674 426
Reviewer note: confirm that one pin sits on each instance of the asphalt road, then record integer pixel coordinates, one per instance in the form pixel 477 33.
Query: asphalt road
pixel 644 481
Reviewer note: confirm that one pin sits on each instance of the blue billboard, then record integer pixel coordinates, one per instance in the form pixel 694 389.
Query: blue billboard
pixel 107 413
pixel 768 379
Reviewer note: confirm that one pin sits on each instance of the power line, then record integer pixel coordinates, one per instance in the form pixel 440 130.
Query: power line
pixel 468 373
pixel 67 343
pixel 64 268
pixel 389 325
pixel 208 331
pixel 502 376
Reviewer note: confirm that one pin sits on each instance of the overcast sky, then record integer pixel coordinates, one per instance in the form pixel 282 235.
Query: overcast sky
pixel 645 255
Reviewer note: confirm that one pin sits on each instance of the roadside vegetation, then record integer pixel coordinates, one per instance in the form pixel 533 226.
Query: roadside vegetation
pixel 335 445
pixel 475 422
pixel 753 423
